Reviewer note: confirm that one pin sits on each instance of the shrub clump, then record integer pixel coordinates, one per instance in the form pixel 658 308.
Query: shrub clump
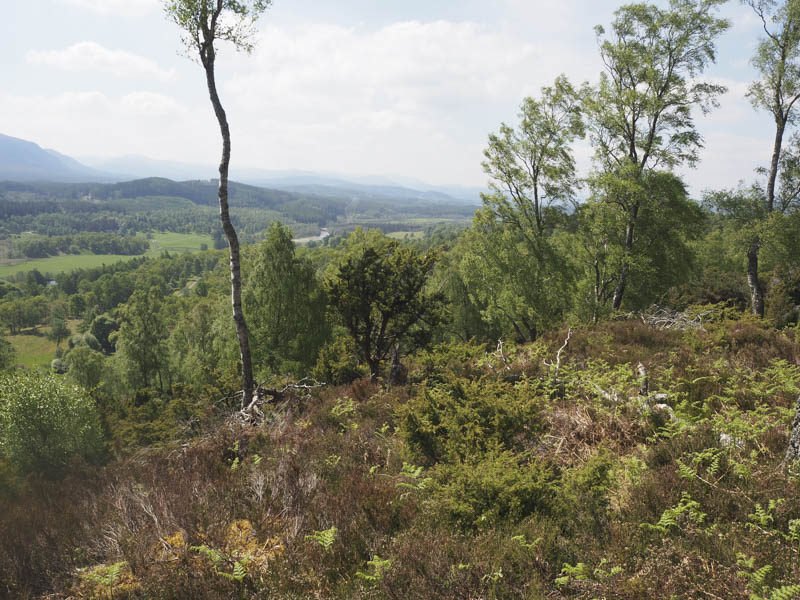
pixel 45 422
pixel 501 487
pixel 463 418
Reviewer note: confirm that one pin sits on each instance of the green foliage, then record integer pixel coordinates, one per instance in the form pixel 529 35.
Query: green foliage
pixel 378 292
pixel 221 561
pixel 85 367
pixel 520 284
pixel 325 538
pixel 759 581
pixel 641 121
pixel 532 166
pixel 236 26
pixel 19 313
pixel 142 341
pixel 337 363
pixel 7 354
pixel 105 575
pixel 378 566
pixel 500 487
pixel 578 572
pixel 585 493
pixel 45 422
pixel 285 306
pixel 202 342
pixel 413 481
pixel 94 243
pixel 686 513
pixel 101 328
pixel 462 418
pixel 665 221
pixel 509 268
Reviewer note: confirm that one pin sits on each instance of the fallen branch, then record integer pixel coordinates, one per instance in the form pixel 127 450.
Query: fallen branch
pixel 263 395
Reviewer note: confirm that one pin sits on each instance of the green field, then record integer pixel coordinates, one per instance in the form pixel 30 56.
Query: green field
pixel 179 242
pixel 402 235
pixel 172 242
pixel 35 350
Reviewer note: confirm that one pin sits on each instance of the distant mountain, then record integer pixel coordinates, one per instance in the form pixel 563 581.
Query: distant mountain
pixel 24 161
pixel 337 188
pixel 136 167
pixel 329 185
pixel 21 160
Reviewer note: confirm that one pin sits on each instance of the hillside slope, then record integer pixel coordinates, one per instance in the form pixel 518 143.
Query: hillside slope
pixel 501 474
pixel 21 160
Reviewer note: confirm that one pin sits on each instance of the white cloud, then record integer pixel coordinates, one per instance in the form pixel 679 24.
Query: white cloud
pixel 90 56
pixel 92 123
pixel 409 97
pixel 149 104
pixel 122 8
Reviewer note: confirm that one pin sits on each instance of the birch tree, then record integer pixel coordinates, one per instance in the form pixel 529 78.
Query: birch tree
pixel 204 22
pixel 641 113
pixel 777 59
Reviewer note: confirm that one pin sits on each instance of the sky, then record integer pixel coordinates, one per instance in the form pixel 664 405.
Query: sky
pixel 407 89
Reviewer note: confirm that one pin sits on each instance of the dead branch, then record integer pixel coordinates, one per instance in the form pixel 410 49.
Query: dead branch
pixel 613 398
pixel 644 380
pixel 666 318
pixel 557 364
pixel 793 450
pixel 498 354
pixel 263 395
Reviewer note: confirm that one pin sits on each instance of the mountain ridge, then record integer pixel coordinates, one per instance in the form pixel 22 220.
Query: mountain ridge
pixel 25 161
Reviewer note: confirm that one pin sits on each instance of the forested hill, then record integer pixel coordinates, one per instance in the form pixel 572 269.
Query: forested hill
pixel 199 192
pixel 303 206
pixel 58 209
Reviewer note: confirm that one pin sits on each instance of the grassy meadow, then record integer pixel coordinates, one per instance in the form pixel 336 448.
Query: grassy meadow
pixel 34 348
pixel 171 242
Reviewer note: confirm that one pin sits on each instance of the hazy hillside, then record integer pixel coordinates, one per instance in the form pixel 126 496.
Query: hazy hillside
pixel 21 160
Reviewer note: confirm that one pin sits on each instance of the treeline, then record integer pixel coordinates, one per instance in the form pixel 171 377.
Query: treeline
pixel 533 260
pixel 95 243
pixel 21 203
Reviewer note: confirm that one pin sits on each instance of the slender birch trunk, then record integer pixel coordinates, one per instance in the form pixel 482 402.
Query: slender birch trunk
pixel 208 58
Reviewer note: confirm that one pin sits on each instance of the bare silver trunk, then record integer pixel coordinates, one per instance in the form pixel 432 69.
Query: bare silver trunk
pixel 756 290
pixel 230 233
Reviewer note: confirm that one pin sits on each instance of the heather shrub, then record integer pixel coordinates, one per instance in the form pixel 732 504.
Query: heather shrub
pixel 461 418
pixel 45 422
pixel 502 487
pixel 584 496
pixel 337 363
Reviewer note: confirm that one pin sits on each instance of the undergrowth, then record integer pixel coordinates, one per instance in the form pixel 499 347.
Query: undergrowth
pixel 492 474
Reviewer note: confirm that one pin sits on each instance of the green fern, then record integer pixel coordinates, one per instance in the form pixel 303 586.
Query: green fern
pixel 417 481
pixel 522 540
pixel 786 592
pixel 325 537
pixel 762 517
pixel 758 581
pixel 219 560
pixel 105 575
pixel 379 566
pixel 686 508
pixel 579 572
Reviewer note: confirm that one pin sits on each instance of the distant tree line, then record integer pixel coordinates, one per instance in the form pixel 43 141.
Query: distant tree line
pixel 95 243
